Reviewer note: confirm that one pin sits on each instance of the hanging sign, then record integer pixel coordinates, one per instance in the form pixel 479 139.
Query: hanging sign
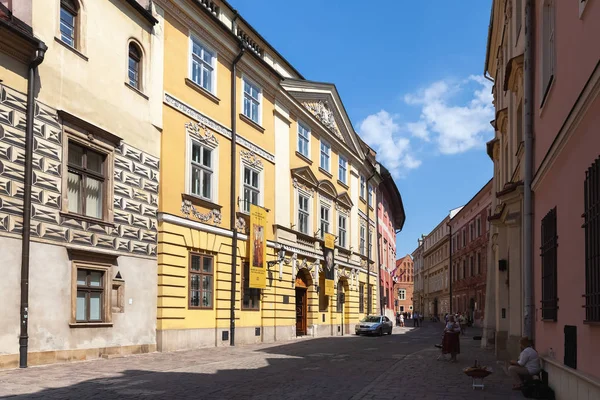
pixel 258 247
pixel 328 251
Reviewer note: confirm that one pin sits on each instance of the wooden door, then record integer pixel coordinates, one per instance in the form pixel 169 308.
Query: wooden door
pixel 301 311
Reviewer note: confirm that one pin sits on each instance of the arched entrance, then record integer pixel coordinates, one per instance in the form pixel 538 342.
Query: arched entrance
pixel 303 282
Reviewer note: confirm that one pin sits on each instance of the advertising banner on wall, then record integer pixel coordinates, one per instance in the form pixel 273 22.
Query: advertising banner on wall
pixel 328 252
pixel 258 247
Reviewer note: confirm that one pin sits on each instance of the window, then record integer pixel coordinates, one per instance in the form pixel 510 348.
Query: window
pixel 547 47
pixel 464 237
pixel 520 123
pixel 325 156
pixel 549 261
pixel 202 171
pixel 478 263
pixel 303 213
pixel 251 298
pixel 203 65
pixel 324 221
pixel 342 230
pixel 201 281
pixel 402 294
pixel 363 186
pixel 592 238
pixel 472 266
pixel 370 245
pixel 133 71
pixel 478 227
pixel 343 169
pixel 361 298
pixel 68 22
pixel 251 188
pixel 370 195
pixel 303 140
pixel 90 303
pixel 86 181
pixel 363 235
pixel 252 97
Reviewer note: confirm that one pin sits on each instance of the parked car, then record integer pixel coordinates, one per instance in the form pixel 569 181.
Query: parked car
pixel 374 324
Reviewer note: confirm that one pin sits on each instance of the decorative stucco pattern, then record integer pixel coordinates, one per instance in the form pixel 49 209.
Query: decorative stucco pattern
pixel 135 200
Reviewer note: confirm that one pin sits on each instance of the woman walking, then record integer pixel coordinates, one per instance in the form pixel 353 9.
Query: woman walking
pixel 451 341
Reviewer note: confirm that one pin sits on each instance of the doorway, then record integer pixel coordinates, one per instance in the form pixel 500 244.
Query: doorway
pixel 301 311
pixel 302 284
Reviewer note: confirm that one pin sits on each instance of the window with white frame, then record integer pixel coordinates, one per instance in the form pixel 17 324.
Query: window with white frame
pixel 303 140
pixel 342 230
pixel 343 169
pixel 402 294
pixel 201 170
pixel 325 156
pixel 303 213
pixel 324 220
pixel 363 236
pixel 363 186
pixel 202 68
pixel 251 188
pixel 370 244
pixel 252 98
pixel 548 47
pixel 370 195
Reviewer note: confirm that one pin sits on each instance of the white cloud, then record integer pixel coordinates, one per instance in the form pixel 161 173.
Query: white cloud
pixel 382 132
pixel 454 128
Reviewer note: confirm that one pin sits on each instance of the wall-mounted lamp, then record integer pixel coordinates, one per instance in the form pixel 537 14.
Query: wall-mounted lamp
pixel 279 260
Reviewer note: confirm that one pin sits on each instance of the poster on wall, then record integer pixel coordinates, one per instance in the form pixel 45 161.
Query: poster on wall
pixel 258 248
pixel 328 251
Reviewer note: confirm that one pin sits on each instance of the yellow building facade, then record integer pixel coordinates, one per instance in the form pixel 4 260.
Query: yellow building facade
pixel 296 156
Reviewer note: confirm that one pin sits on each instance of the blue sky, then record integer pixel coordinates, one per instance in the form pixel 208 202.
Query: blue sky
pixel 411 78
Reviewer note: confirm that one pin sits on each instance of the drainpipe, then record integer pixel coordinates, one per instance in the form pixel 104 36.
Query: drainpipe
pixel 232 196
pixel 23 337
pixel 528 172
pixel 450 269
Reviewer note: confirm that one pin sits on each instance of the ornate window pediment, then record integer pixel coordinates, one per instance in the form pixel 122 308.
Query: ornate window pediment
pixel 513 78
pixel 305 176
pixel 327 188
pixel 344 201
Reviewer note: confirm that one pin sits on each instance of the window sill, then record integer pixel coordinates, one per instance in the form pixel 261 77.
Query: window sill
pixel 344 185
pixel 90 325
pixel 136 90
pixel 90 220
pixel 363 199
pixel 202 91
pixel 251 309
pixel 200 308
pixel 325 172
pixel 252 123
pixel 73 49
pixel 303 157
pixel 592 323
pixel 199 201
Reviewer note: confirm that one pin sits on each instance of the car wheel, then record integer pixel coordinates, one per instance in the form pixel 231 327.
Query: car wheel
pixel 390 332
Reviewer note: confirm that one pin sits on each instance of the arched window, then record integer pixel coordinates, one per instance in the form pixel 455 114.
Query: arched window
pixel 134 69
pixel 69 10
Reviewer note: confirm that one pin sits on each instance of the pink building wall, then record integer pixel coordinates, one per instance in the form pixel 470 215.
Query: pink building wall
pixel 387 249
pixel 560 183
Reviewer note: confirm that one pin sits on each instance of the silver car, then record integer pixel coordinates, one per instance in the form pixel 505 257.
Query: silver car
pixel 374 324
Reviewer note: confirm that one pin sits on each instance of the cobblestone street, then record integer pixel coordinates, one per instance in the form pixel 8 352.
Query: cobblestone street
pixel 403 365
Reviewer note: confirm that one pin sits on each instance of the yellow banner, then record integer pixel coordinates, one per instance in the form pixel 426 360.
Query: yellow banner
pixel 328 255
pixel 258 248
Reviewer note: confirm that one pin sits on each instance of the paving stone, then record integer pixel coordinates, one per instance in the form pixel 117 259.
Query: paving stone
pixel 401 366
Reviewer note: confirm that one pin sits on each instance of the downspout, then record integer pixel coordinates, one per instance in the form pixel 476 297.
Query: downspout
pixel 23 337
pixel 450 270
pixel 528 172
pixel 232 192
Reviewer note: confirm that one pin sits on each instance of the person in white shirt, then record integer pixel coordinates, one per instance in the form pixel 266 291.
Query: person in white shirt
pixel 526 366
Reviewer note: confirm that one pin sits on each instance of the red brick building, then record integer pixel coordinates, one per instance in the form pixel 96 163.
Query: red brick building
pixel 404 281
pixel 469 254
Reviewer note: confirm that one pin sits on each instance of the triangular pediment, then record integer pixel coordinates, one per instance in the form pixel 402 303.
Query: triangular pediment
pixel 323 102
pixel 305 176
pixel 344 200
pixel 328 189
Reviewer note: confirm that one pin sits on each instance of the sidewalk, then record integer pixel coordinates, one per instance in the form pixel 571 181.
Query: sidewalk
pixel 421 376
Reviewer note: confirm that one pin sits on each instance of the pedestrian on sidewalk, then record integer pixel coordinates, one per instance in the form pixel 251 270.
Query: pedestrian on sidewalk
pixel 402 320
pixel 451 342
pixel 397 319
pixel 415 319
pixel 526 366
